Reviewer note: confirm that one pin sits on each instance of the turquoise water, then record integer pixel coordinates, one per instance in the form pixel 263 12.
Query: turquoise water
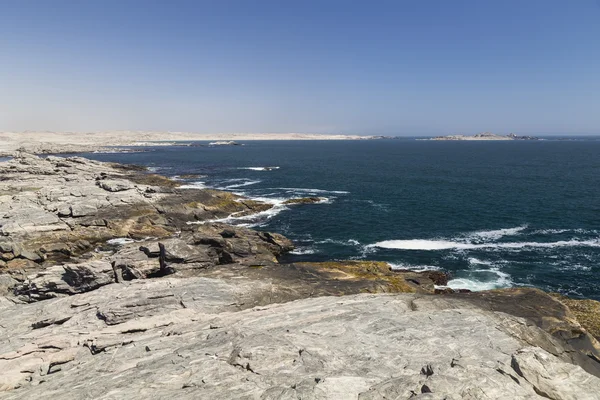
pixel 492 214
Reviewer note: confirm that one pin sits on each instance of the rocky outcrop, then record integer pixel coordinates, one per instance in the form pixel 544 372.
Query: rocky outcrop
pixel 145 297
pixel 56 207
pixel 191 338
pixel 548 313
pixel 221 257
pixel 485 136
pixel 305 200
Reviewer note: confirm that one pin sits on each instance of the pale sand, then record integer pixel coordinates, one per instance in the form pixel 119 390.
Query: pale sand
pixel 38 142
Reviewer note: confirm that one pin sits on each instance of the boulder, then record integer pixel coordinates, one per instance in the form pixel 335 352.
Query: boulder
pixel 82 210
pixel 131 262
pixel 115 185
pixel 68 279
pixel 553 379
pixel 6 247
pixel 178 251
pixel 6 256
pixel 305 200
pixel 31 255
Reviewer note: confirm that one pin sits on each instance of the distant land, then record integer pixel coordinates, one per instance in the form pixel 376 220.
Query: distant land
pixel 485 136
pixel 73 142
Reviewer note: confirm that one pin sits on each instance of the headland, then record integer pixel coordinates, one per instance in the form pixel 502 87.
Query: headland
pixel 118 283
pixel 82 142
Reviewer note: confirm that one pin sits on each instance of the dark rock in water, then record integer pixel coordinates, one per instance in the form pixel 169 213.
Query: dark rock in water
pixel 305 200
pixel 439 278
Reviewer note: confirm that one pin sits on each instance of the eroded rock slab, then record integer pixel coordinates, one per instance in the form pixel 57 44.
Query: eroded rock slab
pixel 188 338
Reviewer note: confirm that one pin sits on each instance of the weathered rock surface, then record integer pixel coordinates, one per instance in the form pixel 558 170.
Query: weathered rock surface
pixel 191 338
pixel 54 208
pixel 145 297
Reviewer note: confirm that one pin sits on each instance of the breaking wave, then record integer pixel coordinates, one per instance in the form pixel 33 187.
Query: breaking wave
pixel 194 185
pixel 305 190
pixel 303 251
pixel 259 168
pixel 429 245
pixel 237 185
pixel 495 234
pixel 416 268
pixel 482 279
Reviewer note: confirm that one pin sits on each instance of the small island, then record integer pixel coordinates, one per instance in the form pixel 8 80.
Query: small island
pixel 485 136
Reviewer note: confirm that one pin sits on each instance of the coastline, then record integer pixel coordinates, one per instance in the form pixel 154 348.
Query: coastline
pixel 484 136
pixel 78 235
pixel 87 142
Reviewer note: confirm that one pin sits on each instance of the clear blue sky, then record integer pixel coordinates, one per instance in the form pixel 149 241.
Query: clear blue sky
pixel 390 67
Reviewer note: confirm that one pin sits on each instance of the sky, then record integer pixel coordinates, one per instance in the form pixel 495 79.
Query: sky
pixel 402 67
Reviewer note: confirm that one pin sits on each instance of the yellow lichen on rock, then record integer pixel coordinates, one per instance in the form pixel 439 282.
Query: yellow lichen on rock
pixel 586 311
pixel 379 271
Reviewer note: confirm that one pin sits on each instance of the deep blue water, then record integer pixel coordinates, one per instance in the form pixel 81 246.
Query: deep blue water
pixel 493 214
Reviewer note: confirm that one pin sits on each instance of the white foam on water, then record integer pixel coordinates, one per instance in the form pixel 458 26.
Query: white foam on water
pixel 476 261
pixel 550 231
pixel 237 185
pixel 560 231
pixel 349 242
pixel 496 233
pixel 429 245
pixel 503 280
pixel 305 190
pixel 416 268
pixel 253 220
pixel 303 250
pixel 572 267
pixel 118 151
pixel 259 168
pixel 194 185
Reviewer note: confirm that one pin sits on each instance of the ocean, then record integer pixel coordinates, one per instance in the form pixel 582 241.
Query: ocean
pixel 492 214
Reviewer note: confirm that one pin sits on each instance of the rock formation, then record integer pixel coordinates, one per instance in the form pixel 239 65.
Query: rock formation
pixel 115 283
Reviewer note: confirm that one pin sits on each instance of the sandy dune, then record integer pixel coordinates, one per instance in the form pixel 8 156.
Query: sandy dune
pixel 40 142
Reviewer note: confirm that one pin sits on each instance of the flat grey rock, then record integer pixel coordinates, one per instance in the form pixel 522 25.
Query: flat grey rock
pixel 115 185
pixel 187 338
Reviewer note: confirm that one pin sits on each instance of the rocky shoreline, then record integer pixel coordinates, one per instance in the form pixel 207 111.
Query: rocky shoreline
pixel 114 283
pixel 127 141
pixel 485 136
